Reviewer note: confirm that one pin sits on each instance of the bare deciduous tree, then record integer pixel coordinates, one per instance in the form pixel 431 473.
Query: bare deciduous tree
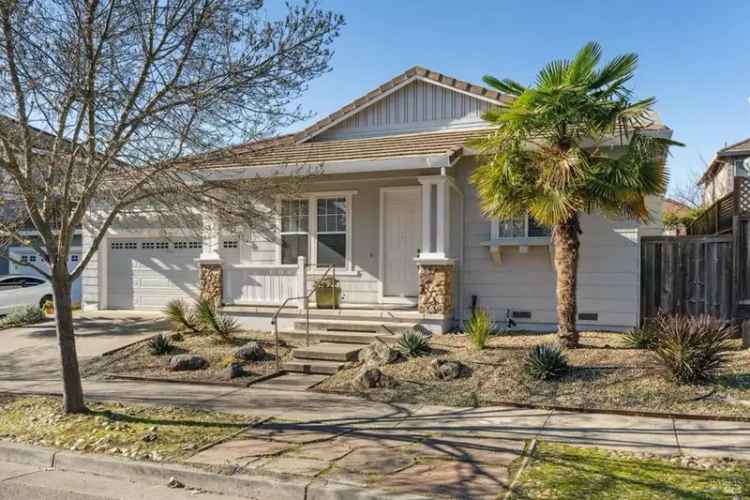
pixel 105 95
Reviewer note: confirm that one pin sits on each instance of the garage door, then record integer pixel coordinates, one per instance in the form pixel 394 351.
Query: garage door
pixel 148 273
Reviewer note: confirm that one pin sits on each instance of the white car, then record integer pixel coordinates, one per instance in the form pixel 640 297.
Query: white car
pixel 16 290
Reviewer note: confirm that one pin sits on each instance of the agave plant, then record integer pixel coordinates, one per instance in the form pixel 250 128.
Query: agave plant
pixel 479 329
pixel 413 344
pixel 160 345
pixel 546 362
pixel 214 321
pixel 691 348
pixel 182 315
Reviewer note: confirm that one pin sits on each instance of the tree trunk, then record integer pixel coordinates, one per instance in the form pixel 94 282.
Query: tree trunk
pixel 71 377
pixel 565 239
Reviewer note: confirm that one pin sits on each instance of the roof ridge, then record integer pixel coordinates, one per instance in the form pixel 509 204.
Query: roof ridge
pixel 726 148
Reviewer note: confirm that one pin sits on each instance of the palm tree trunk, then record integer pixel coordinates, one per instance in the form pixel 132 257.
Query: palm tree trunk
pixel 71 377
pixel 565 239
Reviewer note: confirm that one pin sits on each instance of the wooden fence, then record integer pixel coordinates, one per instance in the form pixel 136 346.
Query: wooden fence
pixel 698 274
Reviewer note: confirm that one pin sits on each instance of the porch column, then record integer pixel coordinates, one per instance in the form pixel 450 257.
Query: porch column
pixel 210 263
pixel 435 267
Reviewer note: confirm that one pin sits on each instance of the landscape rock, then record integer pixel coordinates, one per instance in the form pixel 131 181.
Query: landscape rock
pixel 175 483
pixel 371 377
pixel 235 370
pixel 378 354
pixel 182 362
pixel 449 370
pixel 252 351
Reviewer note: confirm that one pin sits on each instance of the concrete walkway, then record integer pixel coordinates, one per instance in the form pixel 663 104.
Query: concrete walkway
pixel 311 412
pixel 31 352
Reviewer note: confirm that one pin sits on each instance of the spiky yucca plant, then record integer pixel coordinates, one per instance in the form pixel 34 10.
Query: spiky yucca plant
pixel 182 315
pixel 160 345
pixel 574 142
pixel 691 349
pixel 546 362
pixel 479 329
pixel 214 321
pixel 413 344
pixel 645 337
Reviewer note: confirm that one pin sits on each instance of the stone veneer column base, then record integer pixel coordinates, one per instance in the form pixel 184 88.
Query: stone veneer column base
pixel 212 283
pixel 436 288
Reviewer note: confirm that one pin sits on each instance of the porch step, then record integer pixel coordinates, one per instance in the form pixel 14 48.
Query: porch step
pixel 298 337
pixel 312 366
pixel 375 327
pixel 328 351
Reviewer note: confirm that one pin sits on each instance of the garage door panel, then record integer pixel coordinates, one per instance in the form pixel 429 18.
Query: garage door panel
pixel 148 273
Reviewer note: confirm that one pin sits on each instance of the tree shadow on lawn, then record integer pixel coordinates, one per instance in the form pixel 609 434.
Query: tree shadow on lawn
pixel 156 421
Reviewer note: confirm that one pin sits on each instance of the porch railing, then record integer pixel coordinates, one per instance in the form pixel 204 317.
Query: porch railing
pixel 717 218
pixel 304 303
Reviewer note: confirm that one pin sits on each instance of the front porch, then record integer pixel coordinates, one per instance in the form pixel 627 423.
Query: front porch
pixel 388 241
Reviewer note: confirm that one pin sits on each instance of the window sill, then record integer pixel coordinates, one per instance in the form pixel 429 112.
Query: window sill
pixel 530 241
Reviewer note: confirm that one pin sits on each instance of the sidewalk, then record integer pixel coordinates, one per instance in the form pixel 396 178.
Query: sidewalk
pixel 310 411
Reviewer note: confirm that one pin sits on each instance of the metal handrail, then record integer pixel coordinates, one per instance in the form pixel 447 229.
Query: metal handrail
pixel 275 317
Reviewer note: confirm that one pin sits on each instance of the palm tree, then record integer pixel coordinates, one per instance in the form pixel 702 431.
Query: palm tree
pixel 574 142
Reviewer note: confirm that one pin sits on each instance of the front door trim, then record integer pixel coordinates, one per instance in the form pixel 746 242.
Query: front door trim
pixel 381 257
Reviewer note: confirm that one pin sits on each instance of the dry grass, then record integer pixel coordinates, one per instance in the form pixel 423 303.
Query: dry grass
pixel 140 432
pixel 138 361
pixel 604 375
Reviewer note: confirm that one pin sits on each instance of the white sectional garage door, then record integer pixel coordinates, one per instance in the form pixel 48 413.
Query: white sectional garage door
pixel 148 273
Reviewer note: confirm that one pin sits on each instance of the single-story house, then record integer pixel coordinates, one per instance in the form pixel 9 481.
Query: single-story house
pixel 394 213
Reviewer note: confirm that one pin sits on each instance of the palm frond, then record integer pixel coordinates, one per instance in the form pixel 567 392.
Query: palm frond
pixel 506 85
pixel 584 63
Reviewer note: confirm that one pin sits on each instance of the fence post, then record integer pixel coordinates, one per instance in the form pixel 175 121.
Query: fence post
pixel 301 283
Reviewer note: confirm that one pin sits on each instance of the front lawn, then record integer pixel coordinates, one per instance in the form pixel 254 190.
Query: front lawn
pixel 140 432
pixel 604 375
pixel 558 471
pixel 138 361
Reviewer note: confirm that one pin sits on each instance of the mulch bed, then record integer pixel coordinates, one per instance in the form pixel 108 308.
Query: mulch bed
pixel 604 375
pixel 137 361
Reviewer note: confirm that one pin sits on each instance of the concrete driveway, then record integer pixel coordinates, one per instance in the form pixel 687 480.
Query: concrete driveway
pixel 31 353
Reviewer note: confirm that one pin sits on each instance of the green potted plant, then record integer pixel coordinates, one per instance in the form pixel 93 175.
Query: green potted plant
pixel 328 293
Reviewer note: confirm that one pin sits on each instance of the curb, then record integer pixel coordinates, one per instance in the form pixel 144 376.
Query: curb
pixel 265 485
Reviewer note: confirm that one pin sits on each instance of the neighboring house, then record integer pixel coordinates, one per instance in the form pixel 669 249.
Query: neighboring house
pixel 677 210
pixel 22 254
pixel 719 178
pixel 394 212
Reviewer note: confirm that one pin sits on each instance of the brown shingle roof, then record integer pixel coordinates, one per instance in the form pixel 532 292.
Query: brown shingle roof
pixel 285 151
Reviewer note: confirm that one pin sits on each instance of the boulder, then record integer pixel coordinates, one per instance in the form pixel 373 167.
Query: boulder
pixel 234 370
pixel 449 370
pixel 183 362
pixel 378 354
pixel 252 351
pixel 370 377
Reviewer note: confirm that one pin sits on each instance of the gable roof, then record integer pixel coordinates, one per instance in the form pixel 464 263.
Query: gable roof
pixel 740 148
pixel 405 78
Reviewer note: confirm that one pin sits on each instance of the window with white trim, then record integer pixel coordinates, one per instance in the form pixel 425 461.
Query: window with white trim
pixel 524 226
pixel 331 232
pixel 295 227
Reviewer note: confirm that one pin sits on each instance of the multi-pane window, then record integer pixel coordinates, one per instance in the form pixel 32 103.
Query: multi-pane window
pixel 521 227
pixel 331 234
pixel 295 223
pixel 231 244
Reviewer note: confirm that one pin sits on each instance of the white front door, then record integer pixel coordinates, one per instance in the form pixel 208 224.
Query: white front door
pixel 400 237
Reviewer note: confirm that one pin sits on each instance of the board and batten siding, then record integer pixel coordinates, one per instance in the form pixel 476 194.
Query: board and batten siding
pixel 608 277
pixel 417 107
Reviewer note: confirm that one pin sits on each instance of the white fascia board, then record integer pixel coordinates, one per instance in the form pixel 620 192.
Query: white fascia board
pixel 338 167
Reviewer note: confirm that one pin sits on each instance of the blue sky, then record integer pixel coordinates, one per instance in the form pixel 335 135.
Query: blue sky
pixel 695 55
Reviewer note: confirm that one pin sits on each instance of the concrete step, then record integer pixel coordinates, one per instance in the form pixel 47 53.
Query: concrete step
pixel 334 325
pixel 300 337
pixel 312 366
pixel 328 351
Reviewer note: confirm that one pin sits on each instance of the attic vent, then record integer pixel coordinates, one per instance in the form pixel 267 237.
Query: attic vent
pixel 522 314
pixel 588 316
